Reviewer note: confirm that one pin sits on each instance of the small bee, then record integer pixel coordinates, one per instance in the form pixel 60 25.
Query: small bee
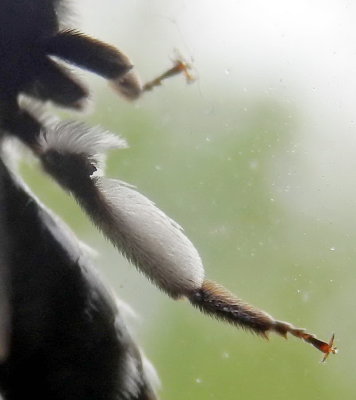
pixel 65 337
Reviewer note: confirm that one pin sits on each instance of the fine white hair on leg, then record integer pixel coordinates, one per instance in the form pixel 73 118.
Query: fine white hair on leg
pixel 148 237
pixel 140 230
pixel 78 138
pixel 73 137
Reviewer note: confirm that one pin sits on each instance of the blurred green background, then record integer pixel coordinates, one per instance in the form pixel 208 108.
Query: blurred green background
pixel 256 161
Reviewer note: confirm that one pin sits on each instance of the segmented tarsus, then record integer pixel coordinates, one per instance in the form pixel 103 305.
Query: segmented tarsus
pixel 215 300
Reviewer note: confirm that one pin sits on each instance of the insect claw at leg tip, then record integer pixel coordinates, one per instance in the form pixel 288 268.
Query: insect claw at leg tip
pixel 328 348
pixel 334 350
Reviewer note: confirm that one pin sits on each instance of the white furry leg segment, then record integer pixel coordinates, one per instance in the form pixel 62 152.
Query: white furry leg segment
pixel 142 232
pixel 150 239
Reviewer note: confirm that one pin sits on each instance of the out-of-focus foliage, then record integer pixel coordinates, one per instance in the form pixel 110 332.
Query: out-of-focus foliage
pixel 235 166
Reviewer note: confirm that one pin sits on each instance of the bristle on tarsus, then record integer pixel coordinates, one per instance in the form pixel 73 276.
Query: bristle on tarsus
pixel 218 302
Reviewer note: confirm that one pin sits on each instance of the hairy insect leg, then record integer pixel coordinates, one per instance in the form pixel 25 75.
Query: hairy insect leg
pixel 55 83
pixel 98 57
pixel 144 234
pixel 215 300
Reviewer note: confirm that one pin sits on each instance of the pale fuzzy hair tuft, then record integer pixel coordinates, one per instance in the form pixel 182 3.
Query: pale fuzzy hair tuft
pixel 79 138
pixel 72 137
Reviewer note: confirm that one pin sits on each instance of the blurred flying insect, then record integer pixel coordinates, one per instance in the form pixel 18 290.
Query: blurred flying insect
pixel 180 66
pixel 62 334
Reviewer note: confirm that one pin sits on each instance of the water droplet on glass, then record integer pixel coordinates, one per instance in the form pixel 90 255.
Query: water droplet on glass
pixel 253 164
pixel 306 297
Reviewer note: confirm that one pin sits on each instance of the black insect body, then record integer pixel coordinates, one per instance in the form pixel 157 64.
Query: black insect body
pixel 29 36
pixel 68 339
pixel 64 337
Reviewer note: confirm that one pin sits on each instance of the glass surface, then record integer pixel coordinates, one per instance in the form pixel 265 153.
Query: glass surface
pixel 256 160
